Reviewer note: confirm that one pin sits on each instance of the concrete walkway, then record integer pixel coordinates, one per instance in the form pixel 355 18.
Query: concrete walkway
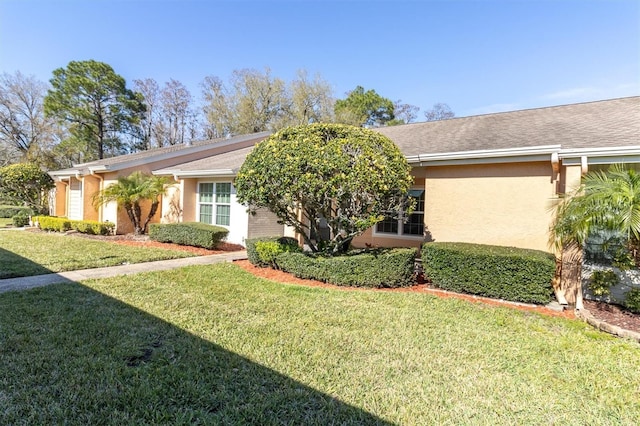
pixel 24 283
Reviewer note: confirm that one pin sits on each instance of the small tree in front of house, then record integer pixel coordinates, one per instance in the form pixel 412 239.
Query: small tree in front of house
pixel 130 192
pixel 606 201
pixel 347 177
pixel 26 184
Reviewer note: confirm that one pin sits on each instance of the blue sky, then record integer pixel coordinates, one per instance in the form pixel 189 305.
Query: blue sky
pixel 478 56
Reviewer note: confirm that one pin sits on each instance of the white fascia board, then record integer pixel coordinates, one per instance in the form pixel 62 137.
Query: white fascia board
pixel 179 174
pixel 64 173
pixel 536 153
pixel 94 169
pixel 619 159
pixel 620 151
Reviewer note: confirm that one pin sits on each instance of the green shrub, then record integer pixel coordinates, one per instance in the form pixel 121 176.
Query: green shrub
pixel 52 223
pixel 268 251
pixel 508 273
pixel 602 281
pixel 20 220
pixel 194 234
pixel 93 227
pixel 62 224
pixel 632 300
pixel 359 268
pixel 288 243
pixel 11 211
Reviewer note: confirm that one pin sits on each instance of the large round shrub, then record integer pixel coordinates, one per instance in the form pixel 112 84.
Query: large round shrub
pixel 348 176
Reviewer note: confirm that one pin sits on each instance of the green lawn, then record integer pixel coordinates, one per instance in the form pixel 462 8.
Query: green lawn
pixel 4 221
pixel 215 345
pixel 24 253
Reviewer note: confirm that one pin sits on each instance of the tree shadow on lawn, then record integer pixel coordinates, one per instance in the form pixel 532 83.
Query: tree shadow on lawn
pixel 69 354
pixel 14 266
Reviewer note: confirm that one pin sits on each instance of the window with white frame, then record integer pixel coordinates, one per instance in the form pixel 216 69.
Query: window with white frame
pixel 412 226
pixel 214 203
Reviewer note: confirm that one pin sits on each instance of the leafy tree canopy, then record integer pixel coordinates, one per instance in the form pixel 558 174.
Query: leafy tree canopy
pixel 95 103
pixel 26 184
pixel 349 177
pixel 362 108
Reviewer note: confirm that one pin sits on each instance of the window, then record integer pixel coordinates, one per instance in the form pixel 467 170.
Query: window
pixel 407 226
pixel 214 200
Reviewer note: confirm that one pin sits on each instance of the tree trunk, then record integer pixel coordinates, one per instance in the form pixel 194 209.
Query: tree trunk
pixel 569 277
pixel 152 213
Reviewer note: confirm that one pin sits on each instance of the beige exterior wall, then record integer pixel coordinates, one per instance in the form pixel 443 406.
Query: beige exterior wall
pixel 190 200
pixel 92 185
pixel 502 204
pixel 509 204
pixel 172 204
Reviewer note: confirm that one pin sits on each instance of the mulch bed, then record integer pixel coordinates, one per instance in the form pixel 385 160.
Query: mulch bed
pixel 144 241
pixel 284 277
pixel 611 314
pixel 614 315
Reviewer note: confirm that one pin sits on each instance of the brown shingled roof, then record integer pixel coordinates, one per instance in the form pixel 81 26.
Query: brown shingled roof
pixel 227 161
pixel 601 124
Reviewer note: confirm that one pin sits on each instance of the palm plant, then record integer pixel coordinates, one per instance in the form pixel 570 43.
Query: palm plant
pixel 130 192
pixel 607 200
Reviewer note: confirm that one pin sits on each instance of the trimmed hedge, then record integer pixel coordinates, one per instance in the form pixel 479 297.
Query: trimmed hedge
pixel 11 211
pixel 194 234
pixel 277 245
pixel 507 273
pixel 62 224
pixel 388 268
pixel 20 220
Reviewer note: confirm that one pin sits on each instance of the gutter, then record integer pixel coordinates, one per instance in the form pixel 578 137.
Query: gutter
pixel 537 153
pixel 178 174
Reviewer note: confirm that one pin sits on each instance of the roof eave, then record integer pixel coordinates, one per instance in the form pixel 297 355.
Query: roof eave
pixel 537 153
pixel 180 174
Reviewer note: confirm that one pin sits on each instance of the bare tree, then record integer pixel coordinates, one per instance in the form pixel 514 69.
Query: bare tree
pixel 176 112
pixel 217 108
pixel 252 102
pixel 25 133
pixel 405 113
pixel 150 119
pixel 310 101
pixel 440 111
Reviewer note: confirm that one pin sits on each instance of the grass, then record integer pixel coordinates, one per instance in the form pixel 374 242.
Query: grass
pixel 4 221
pixel 25 253
pixel 215 345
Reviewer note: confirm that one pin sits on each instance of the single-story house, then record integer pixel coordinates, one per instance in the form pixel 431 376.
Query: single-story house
pixel 489 178
pixel 76 186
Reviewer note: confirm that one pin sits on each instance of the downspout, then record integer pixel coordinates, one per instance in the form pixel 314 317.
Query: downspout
pixel 584 168
pixel 557 281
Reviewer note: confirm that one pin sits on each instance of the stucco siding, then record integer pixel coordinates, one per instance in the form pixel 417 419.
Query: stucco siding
pixel 503 204
pixel 60 208
pixel 91 187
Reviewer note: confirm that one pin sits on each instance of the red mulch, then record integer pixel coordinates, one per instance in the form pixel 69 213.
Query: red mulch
pixel 284 277
pixel 611 314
